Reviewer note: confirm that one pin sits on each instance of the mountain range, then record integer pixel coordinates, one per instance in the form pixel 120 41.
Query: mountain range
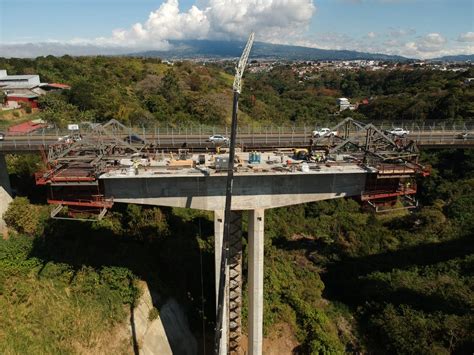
pixel 457 58
pixel 232 49
pixel 207 49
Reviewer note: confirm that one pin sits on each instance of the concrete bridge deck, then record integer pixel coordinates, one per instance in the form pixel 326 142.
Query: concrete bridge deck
pixel 278 180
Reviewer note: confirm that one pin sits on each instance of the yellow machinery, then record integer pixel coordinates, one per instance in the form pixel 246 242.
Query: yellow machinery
pixel 300 153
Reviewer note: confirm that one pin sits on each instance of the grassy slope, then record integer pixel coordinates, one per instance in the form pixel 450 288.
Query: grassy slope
pixel 48 307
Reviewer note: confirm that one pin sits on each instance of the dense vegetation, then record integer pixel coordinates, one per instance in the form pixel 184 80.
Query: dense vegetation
pixel 407 279
pixel 343 279
pixel 148 92
pixel 52 306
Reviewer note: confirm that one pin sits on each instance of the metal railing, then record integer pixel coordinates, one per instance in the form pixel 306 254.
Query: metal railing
pixel 424 133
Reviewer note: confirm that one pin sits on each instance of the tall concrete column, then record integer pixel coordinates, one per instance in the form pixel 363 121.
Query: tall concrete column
pixel 218 240
pixel 5 192
pixel 255 257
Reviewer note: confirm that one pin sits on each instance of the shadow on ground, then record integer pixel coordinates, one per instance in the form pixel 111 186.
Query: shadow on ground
pixel 345 280
pixel 170 264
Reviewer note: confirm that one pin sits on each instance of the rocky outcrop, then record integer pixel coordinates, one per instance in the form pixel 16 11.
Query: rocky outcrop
pixel 168 333
pixel 149 336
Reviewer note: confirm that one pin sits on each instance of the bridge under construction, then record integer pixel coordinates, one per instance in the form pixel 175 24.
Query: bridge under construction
pixel 87 173
pixel 86 177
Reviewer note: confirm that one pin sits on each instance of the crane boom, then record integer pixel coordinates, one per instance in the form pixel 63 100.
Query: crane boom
pixel 242 64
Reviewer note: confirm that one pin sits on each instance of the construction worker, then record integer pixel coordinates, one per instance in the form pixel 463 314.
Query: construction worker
pixel 136 163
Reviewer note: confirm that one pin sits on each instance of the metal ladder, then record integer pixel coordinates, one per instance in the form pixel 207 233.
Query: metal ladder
pixel 235 282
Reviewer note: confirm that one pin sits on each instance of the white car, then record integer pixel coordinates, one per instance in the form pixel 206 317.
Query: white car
pixel 399 132
pixel 65 139
pixel 2 136
pixel 324 132
pixel 218 139
pixel 70 138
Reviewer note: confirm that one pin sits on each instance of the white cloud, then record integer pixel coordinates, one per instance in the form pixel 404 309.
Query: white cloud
pixel 221 19
pixel 466 37
pixel 401 32
pixel 431 42
pixel 28 50
pixel 430 45
pixel 375 1
pixel 274 21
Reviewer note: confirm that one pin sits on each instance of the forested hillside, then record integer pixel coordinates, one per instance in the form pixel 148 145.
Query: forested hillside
pixel 338 279
pixel 148 92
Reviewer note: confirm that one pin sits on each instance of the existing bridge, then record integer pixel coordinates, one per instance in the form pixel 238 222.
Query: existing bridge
pixel 436 134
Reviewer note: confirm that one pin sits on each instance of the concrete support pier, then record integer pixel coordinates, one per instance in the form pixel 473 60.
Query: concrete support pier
pixel 255 277
pixel 5 192
pixel 219 238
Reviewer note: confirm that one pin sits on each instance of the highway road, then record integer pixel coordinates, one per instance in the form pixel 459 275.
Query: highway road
pixel 429 138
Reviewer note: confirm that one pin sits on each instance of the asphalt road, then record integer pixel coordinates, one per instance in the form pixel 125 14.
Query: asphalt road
pixel 33 142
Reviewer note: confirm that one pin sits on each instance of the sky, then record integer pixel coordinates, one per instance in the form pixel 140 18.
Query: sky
pixel 412 28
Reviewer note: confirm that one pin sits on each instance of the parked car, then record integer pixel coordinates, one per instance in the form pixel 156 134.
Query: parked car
pixel 324 132
pixel 2 136
pixel 399 132
pixel 218 139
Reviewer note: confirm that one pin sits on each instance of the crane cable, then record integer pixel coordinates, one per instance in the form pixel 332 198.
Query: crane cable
pixel 202 277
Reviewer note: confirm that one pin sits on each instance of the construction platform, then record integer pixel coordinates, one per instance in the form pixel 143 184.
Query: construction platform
pixel 95 171
pixel 274 163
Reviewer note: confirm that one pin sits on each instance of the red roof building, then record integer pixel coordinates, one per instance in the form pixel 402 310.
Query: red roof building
pixel 32 99
pixel 27 127
pixel 25 88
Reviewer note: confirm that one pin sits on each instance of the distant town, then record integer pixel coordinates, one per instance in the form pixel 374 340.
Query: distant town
pixel 308 67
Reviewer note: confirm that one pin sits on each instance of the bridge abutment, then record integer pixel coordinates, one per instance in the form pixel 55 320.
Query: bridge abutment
pixel 5 192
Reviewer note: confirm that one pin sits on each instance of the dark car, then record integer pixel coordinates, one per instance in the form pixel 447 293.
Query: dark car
pixel 134 139
pixel 462 135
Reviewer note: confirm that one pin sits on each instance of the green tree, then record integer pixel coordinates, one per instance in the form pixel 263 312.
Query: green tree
pixel 23 216
pixel 169 87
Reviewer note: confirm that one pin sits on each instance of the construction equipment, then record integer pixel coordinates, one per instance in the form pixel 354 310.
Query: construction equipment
pixel 300 154
pixel 391 162
pixel 235 268
pixel 74 167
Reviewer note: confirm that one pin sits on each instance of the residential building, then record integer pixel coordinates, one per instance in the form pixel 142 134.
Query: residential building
pixel 24 88
pixel 345 104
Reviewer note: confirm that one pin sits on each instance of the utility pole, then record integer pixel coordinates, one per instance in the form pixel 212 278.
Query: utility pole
pixel 221 317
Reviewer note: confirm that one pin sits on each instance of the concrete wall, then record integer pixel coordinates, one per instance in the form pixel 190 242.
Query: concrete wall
pixel 5 192
pixel 250 192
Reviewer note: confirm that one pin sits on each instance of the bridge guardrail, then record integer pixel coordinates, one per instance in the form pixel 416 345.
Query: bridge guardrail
pixel 431 132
